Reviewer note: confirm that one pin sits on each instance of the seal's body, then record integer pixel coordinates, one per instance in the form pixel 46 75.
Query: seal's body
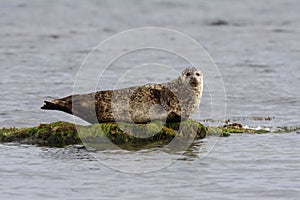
pixel 172 101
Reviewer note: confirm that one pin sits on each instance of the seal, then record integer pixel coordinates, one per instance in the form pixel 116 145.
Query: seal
pixel 171 101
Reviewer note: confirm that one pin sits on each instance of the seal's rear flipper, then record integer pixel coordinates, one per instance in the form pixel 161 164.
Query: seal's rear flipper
pixel 49 106
pixel 57 105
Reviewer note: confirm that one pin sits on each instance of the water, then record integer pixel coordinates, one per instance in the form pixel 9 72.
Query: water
pixel 241 166
pixel 43 44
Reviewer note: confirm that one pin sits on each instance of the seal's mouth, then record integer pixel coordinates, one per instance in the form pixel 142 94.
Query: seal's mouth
pixel 193 82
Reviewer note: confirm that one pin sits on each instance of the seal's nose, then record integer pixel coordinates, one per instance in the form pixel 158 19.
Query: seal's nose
pixel 193 81
pixel 193 78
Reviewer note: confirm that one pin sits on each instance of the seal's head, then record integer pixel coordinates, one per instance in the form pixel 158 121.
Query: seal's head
pixel 192 77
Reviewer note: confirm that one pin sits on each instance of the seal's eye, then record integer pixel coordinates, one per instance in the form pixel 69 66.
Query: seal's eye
pixel 188 74
pixel 197 74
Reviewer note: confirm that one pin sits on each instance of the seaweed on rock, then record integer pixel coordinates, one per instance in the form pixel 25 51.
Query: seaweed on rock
pixel 125 135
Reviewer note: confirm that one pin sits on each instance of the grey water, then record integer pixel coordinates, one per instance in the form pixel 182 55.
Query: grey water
pixel 256 47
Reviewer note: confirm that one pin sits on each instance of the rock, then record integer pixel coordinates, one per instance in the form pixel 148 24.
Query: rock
pixel 128 136
pixel 57 134
pixel 238 128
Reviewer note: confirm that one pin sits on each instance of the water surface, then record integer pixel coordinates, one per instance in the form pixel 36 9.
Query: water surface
pixel 257 50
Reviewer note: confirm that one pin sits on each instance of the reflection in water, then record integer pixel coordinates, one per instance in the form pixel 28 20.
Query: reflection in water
pixel 68 153
pixel 194 151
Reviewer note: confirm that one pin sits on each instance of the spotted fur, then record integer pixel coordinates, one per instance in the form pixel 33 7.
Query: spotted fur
pixel 172 101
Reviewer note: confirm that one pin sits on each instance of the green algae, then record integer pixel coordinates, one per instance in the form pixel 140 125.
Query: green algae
pixel 57 134
pixel 124 135
pixel 239 128
pixel 228 129
pixel 138 136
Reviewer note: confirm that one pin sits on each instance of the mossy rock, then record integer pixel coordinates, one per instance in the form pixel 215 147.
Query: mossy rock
pixel 138 136
pixel 238 128
pixel 124 135
pixel 57 134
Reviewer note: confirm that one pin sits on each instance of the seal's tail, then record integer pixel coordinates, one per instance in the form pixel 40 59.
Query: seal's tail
pixel 58 104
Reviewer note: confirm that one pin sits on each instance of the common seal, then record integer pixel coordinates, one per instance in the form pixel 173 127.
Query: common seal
pixel 172 101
